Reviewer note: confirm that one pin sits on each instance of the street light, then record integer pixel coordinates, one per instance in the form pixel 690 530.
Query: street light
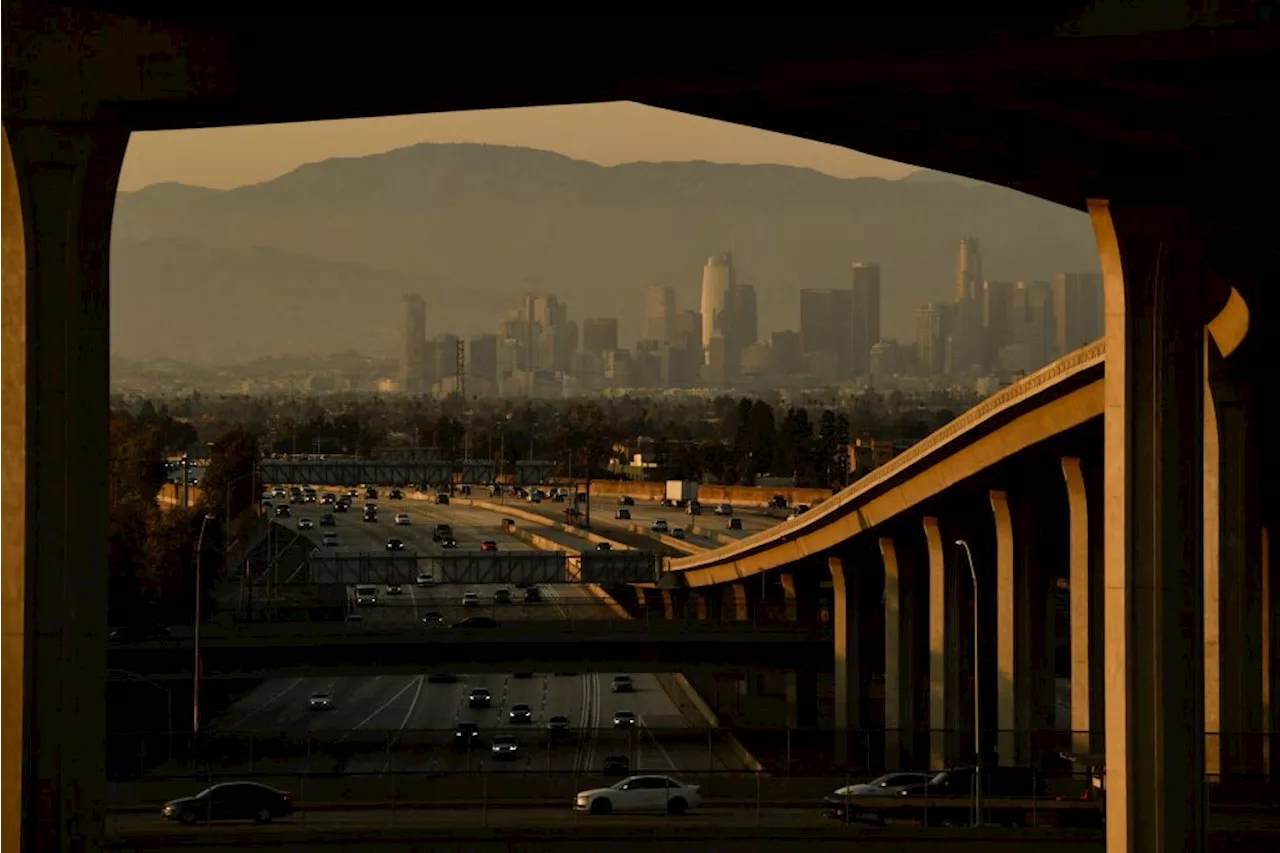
pixel 195 689
pixel 977 728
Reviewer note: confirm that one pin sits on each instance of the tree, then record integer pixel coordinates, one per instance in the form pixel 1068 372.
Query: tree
pixel 229 484
pixel 761 438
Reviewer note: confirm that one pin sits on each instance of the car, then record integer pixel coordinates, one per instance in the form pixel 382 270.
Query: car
pixel 442 500
pixel 477 622
pixel 502 596
pixel 309 498
pixel 890 785
pixel 140 633
pixel 366 594
pixel 693 508
pixel 735 524
pixel 471 599
pixel 532 595
pixel 488 545
pixel 448 542
pixel 441 531
pixel 327 499
pixel 442 678
pixel 329 540
pixel 778 502
pixel 320 702
pixel 371 493
pixel 432 617
pixel 395 545
pixel 426 579
pixel 480 697
pixel 393 589
pixel 677 533
pixel 624 719
pixel 282 511
pixel 305 524
pixel 724 509
pixel 622 684
pixel 640 794
pixel 625 500
pixel 370 514
pixel 327 520
pixel 666 502
pixel 616 765
pixel 604 546
pixel 466 734
pixel 558 725
pixel 341 506
pixel 396 495
pixel 659 526
pixel 231 801
pixel 505 748
pixel 520 713
pixel 622 514
pixel 801 509
pixel 402 518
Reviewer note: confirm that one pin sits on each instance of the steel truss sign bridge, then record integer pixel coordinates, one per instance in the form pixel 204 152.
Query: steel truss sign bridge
pixel 478 567
pixel 424 472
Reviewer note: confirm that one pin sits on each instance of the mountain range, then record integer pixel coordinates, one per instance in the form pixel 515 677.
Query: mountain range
pixel 317 260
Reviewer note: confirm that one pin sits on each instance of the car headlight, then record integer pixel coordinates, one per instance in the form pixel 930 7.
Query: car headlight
pixel 582 801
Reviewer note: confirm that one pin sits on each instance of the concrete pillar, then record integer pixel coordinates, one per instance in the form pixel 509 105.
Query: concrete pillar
pixel 789 596
pixel 59 195
pixel 849 687
pixel 700 604
pixel 938 652
pixel 1084 692
pixel 1153 263
pixel 741 602
pixel 1270 657
pixel 1007 638
pixel 668 604
pixel 899 707
pixel 802 699
pixel 1232 580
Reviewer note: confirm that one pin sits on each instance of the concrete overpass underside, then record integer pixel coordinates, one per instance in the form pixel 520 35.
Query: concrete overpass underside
pixel 1151 116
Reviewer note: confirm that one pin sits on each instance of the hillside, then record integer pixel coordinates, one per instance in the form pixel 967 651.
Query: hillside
pixel 331 246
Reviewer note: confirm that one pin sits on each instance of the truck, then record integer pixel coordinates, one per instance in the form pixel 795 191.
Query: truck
pixel 681 491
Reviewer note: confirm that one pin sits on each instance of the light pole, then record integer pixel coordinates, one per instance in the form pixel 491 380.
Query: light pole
pixel 977 727
pixel 195 687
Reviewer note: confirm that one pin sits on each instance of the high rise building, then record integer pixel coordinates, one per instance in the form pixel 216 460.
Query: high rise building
pixel 1033 324
pixel 660 313
pixel 484 357
pixel 931 335
pixel 1077 310
pixel 865 324
pixel 826 320
pixel 997 319
pixel 966 347
pixel 745 320
pixel 446 365
pixel 969 269
pixel 600 335
pixel 718 278
pixel 788 353
pixel 689 331
pixel 413 370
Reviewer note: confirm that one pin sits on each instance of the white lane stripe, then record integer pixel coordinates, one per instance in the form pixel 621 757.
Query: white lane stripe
pixel 265 704
pixel 377 711
pixel 644 727
pixel 407 714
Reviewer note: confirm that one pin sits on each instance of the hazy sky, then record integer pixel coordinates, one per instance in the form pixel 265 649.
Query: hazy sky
pixel 602 133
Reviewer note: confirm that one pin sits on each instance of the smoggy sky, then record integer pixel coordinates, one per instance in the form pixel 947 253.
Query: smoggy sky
pixel 602 133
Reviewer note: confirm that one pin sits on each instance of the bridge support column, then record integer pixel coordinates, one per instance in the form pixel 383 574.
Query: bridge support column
pixel 1270 658
pixel 899 660
pixel 1086 615
pixel 741 602
pixel 942 652
pixel 1008 635
pixel 1232 580
pixel 850 686
pixel 698 600
pixel 791 611
pixel 668 604
pixel 1154 262
pixel 802 699
pixel 59 196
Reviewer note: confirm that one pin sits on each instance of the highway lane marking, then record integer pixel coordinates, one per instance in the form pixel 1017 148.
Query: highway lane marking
pixel 378 710
pixel 644 727
pixel 594 743
pixel 266 704
pixel 407 714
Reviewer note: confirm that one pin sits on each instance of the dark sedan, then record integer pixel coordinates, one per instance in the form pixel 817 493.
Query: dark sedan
pixel 231 801
pixel 395 545
pixel 139 633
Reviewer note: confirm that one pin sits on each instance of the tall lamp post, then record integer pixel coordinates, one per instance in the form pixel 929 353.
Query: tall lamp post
pixel 195 687
pixel 977 727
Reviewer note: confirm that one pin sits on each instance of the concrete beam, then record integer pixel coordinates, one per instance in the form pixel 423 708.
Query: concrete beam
pixel 55 585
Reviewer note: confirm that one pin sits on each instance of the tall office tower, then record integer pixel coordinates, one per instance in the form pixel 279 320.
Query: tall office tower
pixel 660 313
pixel 931 333
pixel 688 333
pixel 547 311
pixel 600 335
pixel 969 269
pixel 826 320
pixel 446 356
pixel 484 357
pixel 866 316
pixel 556 346
pixel 430 364
pixel 788 353
pixel 740 327
pixel 1033 322
pixel 1077 310
pixel 717 278
pixel 413 368
pixel 997 320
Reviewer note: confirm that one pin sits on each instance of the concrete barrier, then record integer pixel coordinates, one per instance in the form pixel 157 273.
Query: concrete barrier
pixel 542 520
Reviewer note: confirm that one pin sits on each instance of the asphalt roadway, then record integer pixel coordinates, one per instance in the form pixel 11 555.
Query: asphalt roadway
pixel 392 724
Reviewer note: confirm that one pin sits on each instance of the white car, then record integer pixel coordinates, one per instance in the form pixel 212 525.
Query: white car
pixel 305 524
pixel 659 526
pixel 321 702
pixel 330 539
pixel 471 599
pixel 505 748
pixel 425 579
pixel 402 518
pixel 640 794
pixel 891 784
